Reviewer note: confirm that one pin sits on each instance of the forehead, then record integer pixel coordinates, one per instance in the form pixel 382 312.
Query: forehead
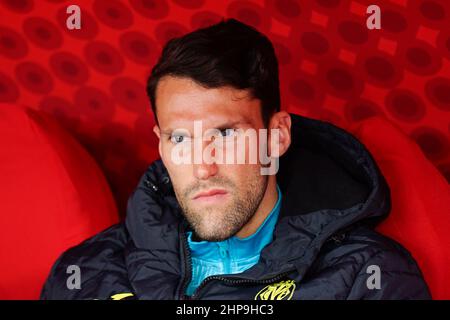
pixel 181 100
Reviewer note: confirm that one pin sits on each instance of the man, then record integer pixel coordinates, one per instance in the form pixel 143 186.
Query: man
pixel 214 229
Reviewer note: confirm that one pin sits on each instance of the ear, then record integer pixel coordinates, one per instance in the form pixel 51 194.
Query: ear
pixel 157 131
pixel 281 121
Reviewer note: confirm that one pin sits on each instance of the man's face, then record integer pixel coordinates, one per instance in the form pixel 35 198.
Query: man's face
pixel 216 199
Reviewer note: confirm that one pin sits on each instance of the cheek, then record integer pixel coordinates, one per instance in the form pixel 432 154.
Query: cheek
pixel 165 155
pixel 178 172
pixel 241 174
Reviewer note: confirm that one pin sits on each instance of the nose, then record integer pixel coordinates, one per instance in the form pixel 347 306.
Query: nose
pixel 204 171
pixel 207 167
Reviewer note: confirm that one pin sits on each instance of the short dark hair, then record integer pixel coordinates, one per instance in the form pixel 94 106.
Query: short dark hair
pixel 229 53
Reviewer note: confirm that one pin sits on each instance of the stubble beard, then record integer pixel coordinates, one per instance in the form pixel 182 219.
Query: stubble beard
pixel 218 223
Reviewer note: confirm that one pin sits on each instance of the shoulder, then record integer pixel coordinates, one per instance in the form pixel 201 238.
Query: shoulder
pixel 363 253
pixel 370 244
pixel 80 271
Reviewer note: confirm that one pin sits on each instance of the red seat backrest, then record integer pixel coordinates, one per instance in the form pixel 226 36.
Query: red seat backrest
pixel 52 196
pixel 420 215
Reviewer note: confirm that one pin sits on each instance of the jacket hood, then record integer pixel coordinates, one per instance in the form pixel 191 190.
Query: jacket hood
pixel 329 181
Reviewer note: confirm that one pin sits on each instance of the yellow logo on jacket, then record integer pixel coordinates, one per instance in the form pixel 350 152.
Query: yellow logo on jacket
pixel 122 296
pixel 277 291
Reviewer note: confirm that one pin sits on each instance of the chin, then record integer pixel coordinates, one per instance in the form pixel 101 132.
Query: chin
pixel 213 237
pixel 218 239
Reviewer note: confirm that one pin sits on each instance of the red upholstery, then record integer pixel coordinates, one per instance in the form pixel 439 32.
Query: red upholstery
pixel 53 196
pixel 420 216
pixel 331 67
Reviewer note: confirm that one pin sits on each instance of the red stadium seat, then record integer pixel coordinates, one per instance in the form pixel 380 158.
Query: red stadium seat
pixel 420 215
pixel 53 196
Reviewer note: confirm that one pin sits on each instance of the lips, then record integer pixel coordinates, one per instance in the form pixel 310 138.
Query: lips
pixel 210 194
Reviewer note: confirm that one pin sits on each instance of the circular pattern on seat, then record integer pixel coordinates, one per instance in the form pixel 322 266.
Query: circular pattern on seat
pixel 42 33
pixel 19 6
pixel 434 143
pixel 361 109
pixel 34 78
pixel 93 103
pixel 130 93
pixel 405 105
pixel 69 68
pixel 330 64
pixel 12 44
pixel 152 9
pixel 113 13
pixel 104 58
pixel 9 92
pixel 438 92
pixel 138 47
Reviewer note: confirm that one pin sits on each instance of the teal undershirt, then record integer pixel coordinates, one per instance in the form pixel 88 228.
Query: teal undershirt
pixel 233 255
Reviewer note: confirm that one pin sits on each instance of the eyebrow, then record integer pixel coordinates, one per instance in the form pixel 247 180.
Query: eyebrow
pixel 225 125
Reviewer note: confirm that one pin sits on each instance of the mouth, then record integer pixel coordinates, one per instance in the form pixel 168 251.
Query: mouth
pixel 211 195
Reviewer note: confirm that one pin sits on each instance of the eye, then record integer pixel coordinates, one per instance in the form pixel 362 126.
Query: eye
pixel 228 132
pixel 177 138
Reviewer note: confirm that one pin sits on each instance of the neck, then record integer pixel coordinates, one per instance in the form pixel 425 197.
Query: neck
pixel 265 207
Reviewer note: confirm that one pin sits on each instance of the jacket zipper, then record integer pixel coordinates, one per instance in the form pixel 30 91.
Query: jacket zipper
pixel 188 271
pixel 240 281
pixel 187 264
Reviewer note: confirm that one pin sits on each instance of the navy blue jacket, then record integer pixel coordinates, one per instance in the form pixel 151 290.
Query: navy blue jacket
pixel 324 245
